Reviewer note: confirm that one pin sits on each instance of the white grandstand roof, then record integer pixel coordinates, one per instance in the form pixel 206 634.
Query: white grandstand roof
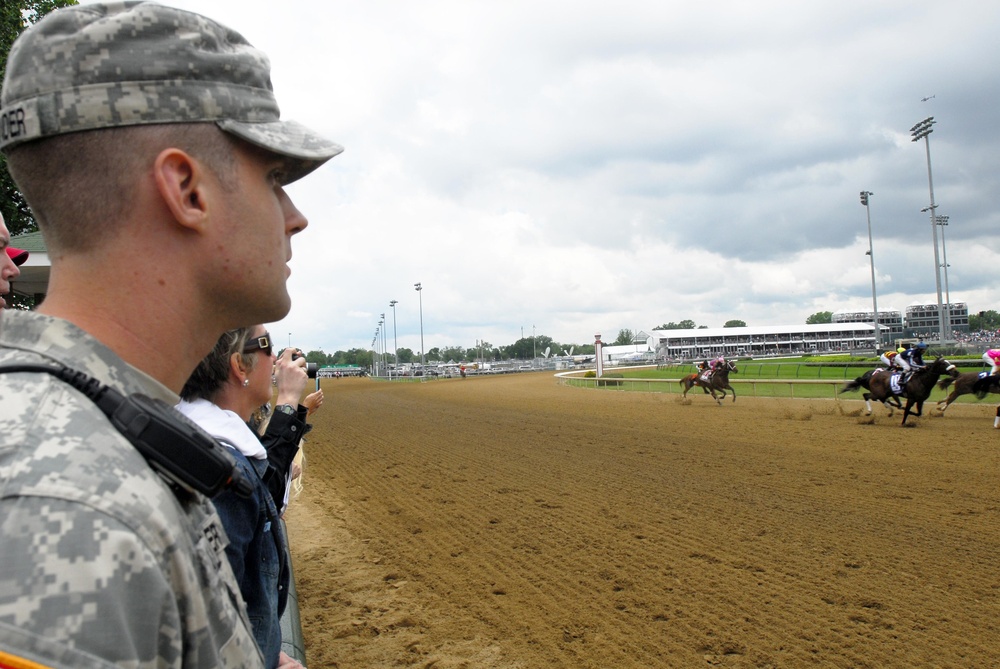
pixel 762 330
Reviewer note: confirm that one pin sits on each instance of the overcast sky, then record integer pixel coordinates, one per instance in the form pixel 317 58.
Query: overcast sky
pixel 573 168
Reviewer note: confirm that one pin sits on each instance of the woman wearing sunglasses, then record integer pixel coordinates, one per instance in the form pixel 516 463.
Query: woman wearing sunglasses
pixel 221 394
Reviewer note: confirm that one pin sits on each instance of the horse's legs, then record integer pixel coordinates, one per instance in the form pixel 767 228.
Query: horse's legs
pixel 868 402
pixel 906 411
pixel 947 401
pixel 733 390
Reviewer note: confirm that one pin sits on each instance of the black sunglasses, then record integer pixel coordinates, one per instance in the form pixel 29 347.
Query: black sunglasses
pixel 262 344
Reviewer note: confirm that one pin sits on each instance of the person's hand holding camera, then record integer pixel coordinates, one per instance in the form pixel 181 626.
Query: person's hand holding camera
pixel 290 377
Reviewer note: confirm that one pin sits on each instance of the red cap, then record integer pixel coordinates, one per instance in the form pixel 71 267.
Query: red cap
pixel 17 255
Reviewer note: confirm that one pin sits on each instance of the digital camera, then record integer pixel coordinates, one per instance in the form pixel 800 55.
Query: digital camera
pixel 311 367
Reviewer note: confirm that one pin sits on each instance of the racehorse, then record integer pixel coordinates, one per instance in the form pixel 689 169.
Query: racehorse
pixel 864 381
pixel 988 384
pixel 964 385
pixel 917 389
pixel 718 381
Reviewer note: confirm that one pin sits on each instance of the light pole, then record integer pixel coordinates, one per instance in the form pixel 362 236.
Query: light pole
pixel 420 297
pixel 942 221
pixel 865 196
pixel 385 358
pixel 395 342
pixel 922 131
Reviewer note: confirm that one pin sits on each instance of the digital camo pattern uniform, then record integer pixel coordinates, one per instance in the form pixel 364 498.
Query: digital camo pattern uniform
pixel 101 564
pixel 132 63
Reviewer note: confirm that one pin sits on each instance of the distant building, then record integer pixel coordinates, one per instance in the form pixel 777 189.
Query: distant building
pixel 890 321
pixel 922 320
pixel 641 350
pixel 765 340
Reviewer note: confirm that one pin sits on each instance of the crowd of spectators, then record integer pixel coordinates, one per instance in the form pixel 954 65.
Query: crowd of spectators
pixel 985 337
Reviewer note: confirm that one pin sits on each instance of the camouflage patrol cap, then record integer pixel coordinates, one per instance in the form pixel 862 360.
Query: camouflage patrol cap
pixel 115 64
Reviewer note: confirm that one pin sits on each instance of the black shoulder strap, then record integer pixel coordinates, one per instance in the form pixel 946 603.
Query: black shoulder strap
pixel 174 446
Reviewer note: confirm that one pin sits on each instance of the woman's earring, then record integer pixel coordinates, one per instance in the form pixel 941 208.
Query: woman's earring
pixel 246 382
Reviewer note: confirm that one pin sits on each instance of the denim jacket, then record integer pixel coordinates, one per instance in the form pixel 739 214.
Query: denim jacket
pixel 256 552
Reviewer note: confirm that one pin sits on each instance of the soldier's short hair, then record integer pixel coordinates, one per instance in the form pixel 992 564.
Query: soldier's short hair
pixel 79 183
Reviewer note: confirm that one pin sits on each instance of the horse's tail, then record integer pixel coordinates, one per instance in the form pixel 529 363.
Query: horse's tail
pixel 851 386
pixel 945 382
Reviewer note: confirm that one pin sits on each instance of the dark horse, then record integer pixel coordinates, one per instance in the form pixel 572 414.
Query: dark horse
pixel 965 384
pixel 719 381
pixel 864 381
pixel 988 384
pixel 917 389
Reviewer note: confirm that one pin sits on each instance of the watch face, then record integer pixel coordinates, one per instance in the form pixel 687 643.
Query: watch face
pixel 286 408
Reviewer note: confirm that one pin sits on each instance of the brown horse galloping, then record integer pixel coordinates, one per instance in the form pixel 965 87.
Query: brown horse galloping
pixel 864 381
pixel 917 389
pixel 963 386
pixel 718 382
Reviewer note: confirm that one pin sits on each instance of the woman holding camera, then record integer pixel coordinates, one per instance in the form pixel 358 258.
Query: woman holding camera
pixel 281 429
pixel 221 394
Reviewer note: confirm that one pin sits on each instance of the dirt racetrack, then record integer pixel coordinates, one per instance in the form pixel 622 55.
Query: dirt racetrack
pixel 509 521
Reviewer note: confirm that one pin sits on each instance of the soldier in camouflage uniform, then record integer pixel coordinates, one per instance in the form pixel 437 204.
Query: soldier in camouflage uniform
pixel 149 145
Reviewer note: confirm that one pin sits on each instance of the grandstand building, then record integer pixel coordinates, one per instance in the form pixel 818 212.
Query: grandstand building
pixel 890 321
pixel 922 320
pixel 762 341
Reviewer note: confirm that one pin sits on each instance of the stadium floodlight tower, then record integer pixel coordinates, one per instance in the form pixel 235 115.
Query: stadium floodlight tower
pixel 420 296
pixel 922 131
pixel 385 356
pixel 942 221
pixel 395 341
pixel 865 196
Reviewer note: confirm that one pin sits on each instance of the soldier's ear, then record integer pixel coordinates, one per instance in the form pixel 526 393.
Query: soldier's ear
pixel 181 185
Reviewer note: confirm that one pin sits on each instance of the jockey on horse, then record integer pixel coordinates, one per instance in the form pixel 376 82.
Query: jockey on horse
pixel 911 360
pixel 992 358
pixel 889 358
pixel 709 368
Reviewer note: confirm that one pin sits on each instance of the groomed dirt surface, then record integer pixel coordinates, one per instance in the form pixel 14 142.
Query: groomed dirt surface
pixel 514 522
